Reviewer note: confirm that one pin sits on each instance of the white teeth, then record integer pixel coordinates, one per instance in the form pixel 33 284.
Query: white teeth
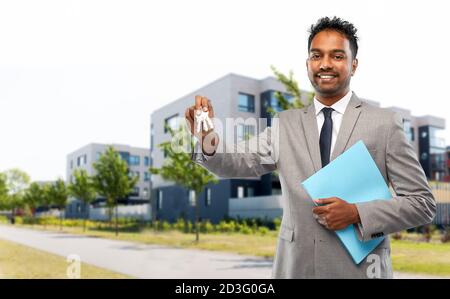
pixel 326 76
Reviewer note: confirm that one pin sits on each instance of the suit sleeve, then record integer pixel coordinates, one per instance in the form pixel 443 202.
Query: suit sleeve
pixel 413 205
pixel 248 158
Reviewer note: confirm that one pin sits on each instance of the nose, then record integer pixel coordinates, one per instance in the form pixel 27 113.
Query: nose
pixel 325 64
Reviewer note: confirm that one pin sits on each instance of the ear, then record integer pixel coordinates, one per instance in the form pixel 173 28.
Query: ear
pixel 354 66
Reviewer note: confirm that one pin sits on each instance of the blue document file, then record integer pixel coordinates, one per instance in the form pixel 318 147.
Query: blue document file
pixel 354 177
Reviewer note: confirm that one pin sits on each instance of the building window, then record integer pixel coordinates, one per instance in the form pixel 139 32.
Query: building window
pixel 71 164
pixel 437 137
pixel 240 192
pixel 151 137
pixel 192 198
pixel 146 176
pixel 208 197
pixel 171 122
pixel 82 160
pixel 135 191
pixel 273 101
pixel 246 102
pixel 134 160
pixel 146 161
pixel 159 203
pixel 250 192
pixel 245 132
pixel 135 174
pixel 407 129
pixel 145 193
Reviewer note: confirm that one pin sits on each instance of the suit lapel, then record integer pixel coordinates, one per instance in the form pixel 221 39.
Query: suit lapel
pixel 349 119
pixel 311 131
pixel 312 135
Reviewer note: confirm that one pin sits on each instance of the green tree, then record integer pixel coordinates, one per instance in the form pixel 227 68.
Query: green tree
pixel 179 168
pixel 17 181
pixel 293 89
pixel 47 199
pixel 58 195
pixel 112 180
pixel 83 189
pixel 3 192
pixel 34 197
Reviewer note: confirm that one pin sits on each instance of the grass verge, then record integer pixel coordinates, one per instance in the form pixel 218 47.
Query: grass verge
pixel 18 261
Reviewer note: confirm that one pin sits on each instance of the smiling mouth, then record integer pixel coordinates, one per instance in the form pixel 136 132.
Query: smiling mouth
pixel 326 76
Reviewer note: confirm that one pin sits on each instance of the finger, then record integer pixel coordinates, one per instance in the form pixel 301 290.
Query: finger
pixel 211 110
pixel 198 102
pixel 204 102
pixel 325 201
pixel 320 210
pixel 186 114
pixel 189 115
pixel 192 112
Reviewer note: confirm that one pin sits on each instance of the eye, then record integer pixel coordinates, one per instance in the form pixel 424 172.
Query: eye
pixel 339 57
pixel 315 56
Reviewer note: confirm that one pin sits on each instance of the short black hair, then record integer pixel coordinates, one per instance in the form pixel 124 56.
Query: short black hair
pixel 339 25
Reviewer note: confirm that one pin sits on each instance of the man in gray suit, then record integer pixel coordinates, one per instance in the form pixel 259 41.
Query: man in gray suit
pixel 302 141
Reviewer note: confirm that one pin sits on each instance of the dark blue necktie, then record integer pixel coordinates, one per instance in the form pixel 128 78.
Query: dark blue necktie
pixel 325 136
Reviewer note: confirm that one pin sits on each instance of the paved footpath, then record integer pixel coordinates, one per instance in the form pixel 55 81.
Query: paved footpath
pixel 141 260
pixel 147 261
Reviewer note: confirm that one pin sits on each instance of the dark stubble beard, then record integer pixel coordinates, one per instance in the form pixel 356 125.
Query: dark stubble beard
pixel 330 92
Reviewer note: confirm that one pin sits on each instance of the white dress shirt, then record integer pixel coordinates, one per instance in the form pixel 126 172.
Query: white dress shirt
pixel 336 115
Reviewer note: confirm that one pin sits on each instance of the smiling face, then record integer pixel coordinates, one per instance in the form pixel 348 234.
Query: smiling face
pixel 330 65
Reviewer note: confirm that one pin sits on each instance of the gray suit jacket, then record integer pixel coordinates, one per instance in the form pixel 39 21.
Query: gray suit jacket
pixel 305 248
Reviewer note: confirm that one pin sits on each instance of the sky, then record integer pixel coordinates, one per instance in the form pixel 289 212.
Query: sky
pixel 76 72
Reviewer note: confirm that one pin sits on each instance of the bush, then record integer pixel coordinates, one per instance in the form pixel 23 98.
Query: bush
pixel 179 225
pixel 446 236
pixel 165 226
pixel 206 227
pixel 246 230
pixel 263 230
pixel 188 227
pixel 226 227
pixel 277 223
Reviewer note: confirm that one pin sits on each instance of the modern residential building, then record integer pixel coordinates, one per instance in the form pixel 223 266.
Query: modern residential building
pixel 243 98
pixel 447 178
pixel 138 161
pixel 426 133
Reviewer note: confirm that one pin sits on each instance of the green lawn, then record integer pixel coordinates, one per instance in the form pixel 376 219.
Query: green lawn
pixel 427 258
pixel 407 255
pixel 18 261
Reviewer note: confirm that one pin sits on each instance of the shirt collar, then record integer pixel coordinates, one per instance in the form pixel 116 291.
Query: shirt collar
pixel 339 106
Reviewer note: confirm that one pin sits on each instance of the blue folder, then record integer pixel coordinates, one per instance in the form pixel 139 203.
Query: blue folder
pixel 354 177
